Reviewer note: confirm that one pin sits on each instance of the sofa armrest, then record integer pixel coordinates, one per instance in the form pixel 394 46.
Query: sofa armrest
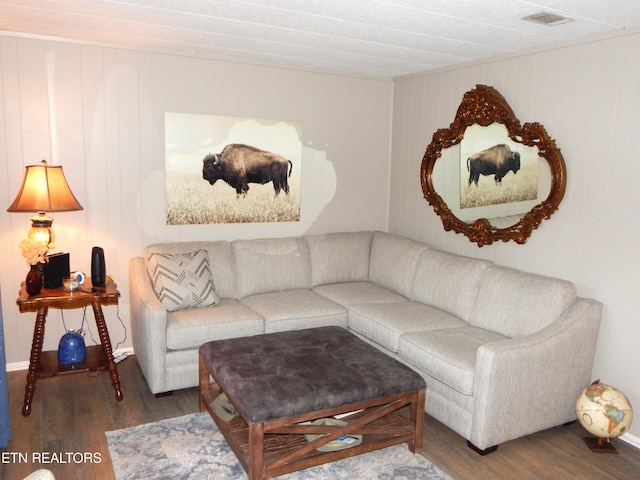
pixel 531 383
pixel 148 325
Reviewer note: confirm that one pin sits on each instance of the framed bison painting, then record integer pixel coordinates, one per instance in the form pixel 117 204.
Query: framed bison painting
pixel 489 177
pixel 231 170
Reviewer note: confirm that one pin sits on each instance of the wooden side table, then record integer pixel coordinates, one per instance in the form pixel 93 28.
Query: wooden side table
pixel 99 357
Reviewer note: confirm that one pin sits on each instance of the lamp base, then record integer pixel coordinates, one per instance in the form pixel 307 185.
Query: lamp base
pixel 41 229
pixel 599 445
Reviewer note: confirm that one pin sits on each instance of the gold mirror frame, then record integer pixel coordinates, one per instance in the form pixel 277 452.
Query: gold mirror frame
pixel 484 106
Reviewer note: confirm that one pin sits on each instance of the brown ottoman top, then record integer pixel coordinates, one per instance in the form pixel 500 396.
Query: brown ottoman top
pixel 279 375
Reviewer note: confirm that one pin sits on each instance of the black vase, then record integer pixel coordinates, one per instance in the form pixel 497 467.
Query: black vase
pixel 33 282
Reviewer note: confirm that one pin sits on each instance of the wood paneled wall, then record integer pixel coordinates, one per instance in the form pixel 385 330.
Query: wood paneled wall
pixel 99 112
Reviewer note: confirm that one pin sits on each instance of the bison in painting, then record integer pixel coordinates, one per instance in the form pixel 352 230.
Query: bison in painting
pixel 497 160
pixel 238 165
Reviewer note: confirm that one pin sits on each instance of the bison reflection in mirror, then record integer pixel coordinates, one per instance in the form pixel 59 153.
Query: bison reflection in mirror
pixel 497 160
pixel 238 165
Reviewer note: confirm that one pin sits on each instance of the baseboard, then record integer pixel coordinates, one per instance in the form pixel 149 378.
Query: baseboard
pixel 631 440
pixel 16 366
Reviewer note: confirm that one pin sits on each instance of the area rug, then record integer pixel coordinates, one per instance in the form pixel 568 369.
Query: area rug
pixel 191 447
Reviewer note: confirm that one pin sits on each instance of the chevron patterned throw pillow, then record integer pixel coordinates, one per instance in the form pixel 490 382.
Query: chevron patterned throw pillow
pixel 182 280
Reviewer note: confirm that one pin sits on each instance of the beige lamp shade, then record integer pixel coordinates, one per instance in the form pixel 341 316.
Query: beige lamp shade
pixel 44 189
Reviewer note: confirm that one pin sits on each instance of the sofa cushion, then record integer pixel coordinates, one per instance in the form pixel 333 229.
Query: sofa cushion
pixel 516 304
pixel 448 355
pixel 339 257
pixel 354 293
pixel 385 323
pixel 182 280
pixel 220 257
pixel 447 281
pixel 230 319
pixel 271 265
pixel 393 261
pixel 296 309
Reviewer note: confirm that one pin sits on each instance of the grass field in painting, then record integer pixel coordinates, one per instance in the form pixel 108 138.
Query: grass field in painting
pixel 191 200
pixel 514 188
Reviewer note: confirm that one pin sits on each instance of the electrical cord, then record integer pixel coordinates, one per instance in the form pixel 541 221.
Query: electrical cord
pixel 84 320
pixel 123 327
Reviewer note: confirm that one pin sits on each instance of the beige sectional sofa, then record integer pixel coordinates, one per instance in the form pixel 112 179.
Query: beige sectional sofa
pixel 504 353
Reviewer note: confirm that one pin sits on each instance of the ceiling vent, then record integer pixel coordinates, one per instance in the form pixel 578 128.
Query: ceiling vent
pixel 547 18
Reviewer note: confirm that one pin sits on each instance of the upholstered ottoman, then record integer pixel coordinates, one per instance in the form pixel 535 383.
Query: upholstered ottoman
pixel 289 387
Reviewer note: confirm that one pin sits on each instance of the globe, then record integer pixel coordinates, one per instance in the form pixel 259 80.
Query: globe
pixel 604 411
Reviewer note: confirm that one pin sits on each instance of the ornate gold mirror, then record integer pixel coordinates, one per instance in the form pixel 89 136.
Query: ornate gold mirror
pixel 487 176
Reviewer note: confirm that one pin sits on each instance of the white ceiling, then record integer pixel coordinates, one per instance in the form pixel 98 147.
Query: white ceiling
pixel 378 38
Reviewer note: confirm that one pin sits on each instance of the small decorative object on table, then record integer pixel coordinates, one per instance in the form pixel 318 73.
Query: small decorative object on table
pixel 71 348
pixel 605 412
pixel 70 284
pixel 34 280
pixel 79 276
pixel 34 252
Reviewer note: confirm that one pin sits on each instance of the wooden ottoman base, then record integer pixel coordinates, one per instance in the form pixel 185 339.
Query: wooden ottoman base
pixel 275 447
pixel 278 381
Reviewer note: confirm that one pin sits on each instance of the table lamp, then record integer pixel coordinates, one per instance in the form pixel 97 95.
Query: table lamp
pixel 44 189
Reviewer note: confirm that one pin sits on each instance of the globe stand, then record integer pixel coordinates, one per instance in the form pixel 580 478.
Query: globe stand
pixel 599 445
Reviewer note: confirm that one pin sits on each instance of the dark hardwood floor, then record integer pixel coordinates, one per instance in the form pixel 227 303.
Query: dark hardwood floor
pixel 71 413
